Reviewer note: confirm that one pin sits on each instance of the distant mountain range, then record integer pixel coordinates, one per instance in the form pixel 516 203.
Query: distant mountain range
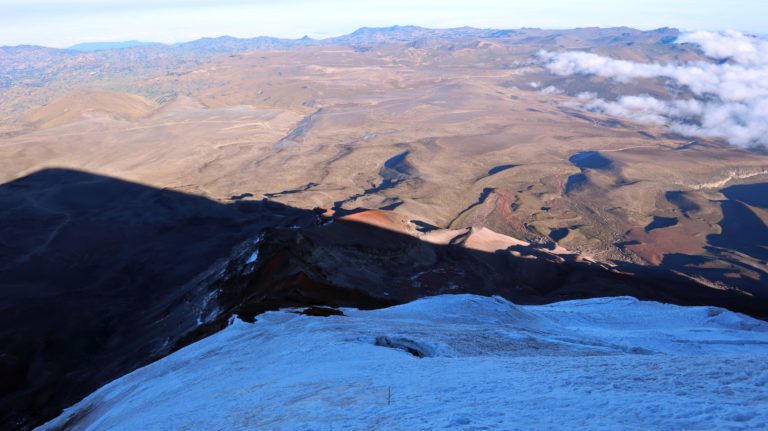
pixel 101 46
pixel 35 65
pixel 363 36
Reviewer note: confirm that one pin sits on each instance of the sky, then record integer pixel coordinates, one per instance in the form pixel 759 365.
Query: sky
pixel 64 23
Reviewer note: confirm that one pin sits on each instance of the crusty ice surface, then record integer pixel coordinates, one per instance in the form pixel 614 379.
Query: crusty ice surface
pixel 609 363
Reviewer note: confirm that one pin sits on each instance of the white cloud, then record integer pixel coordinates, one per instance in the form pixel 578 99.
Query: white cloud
pixel 729 44
pixel 733 82
pixel 551 90
pixel 731 99
pixel 743 124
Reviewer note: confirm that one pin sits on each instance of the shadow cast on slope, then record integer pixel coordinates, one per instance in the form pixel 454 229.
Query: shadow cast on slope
pixel 741 228
pixel 92 279
pixel 100 276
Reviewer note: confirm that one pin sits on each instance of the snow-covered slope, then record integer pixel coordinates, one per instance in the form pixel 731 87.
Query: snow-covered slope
pixel 488 364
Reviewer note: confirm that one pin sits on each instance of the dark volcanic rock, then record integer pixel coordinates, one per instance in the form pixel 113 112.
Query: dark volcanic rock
pixel 378 258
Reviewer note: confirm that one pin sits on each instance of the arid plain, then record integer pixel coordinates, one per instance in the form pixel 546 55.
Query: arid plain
pixel 446 128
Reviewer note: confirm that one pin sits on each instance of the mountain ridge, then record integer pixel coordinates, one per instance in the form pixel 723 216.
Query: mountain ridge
pixel 413 31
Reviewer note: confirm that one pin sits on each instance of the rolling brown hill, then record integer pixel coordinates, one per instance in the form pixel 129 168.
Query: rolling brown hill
pixel 87 104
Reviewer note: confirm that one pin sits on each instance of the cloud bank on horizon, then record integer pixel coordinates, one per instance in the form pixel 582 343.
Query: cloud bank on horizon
pixel 730 96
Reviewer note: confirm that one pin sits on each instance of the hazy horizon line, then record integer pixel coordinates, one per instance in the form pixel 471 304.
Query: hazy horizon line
pixel 326 37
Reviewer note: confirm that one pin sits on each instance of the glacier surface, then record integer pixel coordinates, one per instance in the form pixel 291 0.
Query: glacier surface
pixel 458 362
